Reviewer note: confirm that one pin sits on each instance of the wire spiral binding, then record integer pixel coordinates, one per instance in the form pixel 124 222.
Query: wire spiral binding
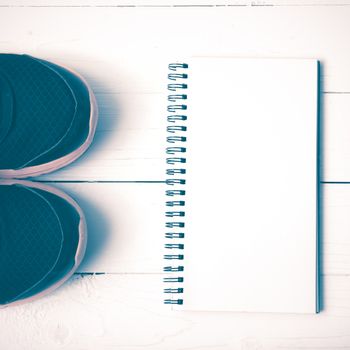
pixel 176 158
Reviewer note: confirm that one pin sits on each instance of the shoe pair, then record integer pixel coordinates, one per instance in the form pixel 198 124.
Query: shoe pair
pixel 48 117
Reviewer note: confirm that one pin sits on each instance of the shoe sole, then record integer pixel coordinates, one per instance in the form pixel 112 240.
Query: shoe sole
pixel 81 244
pixel 68 158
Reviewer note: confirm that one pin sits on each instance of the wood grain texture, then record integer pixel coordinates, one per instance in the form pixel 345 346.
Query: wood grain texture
pixel 123 312
pixel 170 3
pixel 121 47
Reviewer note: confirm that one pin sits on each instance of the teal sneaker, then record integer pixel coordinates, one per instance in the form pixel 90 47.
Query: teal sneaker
pixel 42 240
pixel 48 116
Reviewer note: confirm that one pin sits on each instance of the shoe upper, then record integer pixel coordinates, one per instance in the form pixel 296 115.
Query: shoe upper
pixel 44 111
pixel 39 239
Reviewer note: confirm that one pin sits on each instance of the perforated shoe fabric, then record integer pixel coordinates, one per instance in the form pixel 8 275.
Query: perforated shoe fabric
pixel 42 240
pixel 48 116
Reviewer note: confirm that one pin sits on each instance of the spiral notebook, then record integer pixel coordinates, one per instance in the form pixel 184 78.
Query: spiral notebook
pixel 242 185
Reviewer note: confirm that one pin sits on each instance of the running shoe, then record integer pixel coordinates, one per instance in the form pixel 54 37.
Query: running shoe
pixel 42 240
pixel 48 116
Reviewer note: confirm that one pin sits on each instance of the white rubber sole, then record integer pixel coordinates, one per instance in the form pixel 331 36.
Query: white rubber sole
pixel 68 158
pixel 81 243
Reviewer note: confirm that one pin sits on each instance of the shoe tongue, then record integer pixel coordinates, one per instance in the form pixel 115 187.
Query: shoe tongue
pixel 6 107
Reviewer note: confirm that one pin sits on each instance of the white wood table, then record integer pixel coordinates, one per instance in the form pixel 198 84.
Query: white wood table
pixel 115 301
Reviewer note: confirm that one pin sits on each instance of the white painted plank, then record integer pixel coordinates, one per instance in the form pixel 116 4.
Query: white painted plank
pixel 336 140
pixel 335 233
pixel 126 225
pixel 125 312
pixel 162 3
pixel 122 38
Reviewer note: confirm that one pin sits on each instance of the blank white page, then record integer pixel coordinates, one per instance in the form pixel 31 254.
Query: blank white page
pixel 251 191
